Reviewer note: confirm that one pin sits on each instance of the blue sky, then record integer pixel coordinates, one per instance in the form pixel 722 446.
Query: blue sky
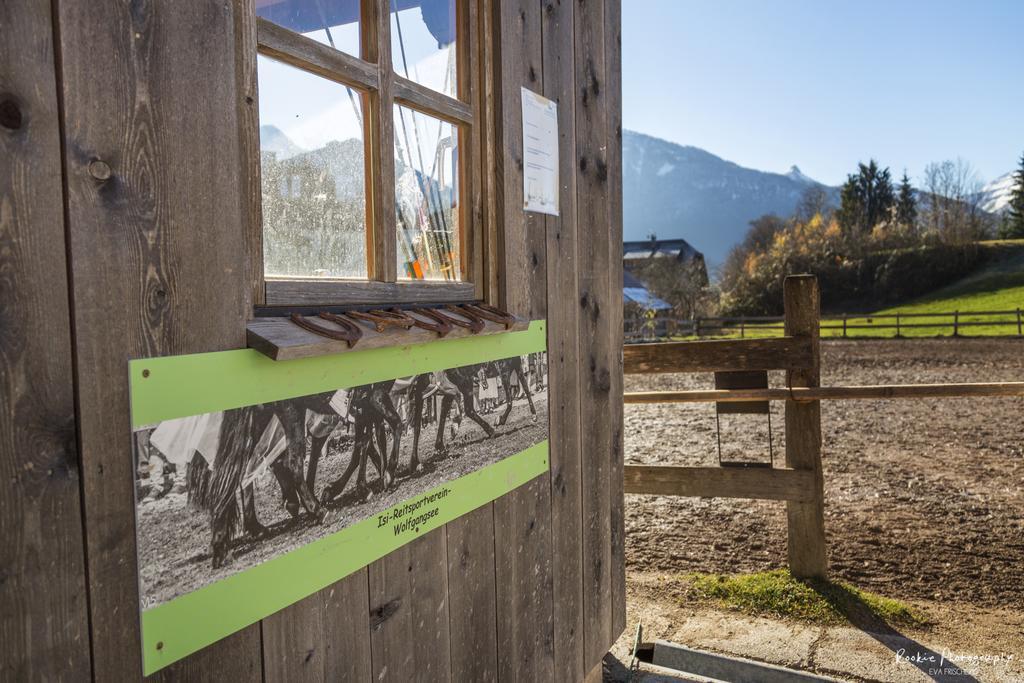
pixel 823 85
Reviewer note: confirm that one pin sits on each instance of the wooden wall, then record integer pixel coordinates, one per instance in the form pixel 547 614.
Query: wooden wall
pixel 142 103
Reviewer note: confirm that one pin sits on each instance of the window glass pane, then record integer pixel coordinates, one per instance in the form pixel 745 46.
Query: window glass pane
pixel 423 42
pixel 313 175
pixel 331 22
pixel 426 196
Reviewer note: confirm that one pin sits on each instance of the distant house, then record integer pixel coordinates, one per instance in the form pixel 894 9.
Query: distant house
pixel 636 293
pixel 637 255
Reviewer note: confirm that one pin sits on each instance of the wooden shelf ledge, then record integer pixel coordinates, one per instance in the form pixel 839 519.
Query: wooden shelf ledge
pixel 281 339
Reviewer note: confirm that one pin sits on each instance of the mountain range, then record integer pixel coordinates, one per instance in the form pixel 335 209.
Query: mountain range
pixel 669 190
pixel 675 190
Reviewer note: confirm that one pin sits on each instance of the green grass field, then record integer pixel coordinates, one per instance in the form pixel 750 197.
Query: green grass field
pixel 997 287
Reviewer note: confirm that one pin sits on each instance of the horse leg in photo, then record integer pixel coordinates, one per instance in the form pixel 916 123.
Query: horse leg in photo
pixel 506 383
pixel 526 389
pixel 416 415
pixel 295 456
pixel 446 404
pixel 470 410
pixel 334 489
pixel 316 447
pixel 377 455
pixel 288 492
pixel 382 405
pixel 250 523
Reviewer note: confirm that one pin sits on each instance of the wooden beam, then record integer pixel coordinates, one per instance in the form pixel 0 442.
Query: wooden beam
pixel 281 339
pixel 839 393
pixel 307 54
pixel 308 292
pixel 784 353
pixel 429 101
pixel 564 396
pixel 44 621
pixel 613 102
pixel 806 519
pixel 720 482
pixel 379 134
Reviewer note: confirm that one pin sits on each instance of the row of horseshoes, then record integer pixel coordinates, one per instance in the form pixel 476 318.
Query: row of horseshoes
pixel 472 317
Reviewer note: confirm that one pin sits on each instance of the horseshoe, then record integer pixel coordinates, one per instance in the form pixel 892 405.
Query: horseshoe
pixel 495 315
pixel 349 334
pixel 475 325
pixel 441 324
pixel 381 320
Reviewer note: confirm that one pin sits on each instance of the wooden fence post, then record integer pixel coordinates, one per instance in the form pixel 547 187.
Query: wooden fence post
pixel 956 323
pixel 898 325
pixel 743 324
pixel 806 520
pixel 844 326
pixel 1020 328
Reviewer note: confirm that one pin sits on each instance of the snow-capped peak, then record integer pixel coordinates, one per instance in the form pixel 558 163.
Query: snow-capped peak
pixel 995 196
pixel 796 174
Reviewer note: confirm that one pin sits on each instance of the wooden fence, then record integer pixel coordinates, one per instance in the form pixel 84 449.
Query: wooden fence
pixel 800 482
pixel 847 325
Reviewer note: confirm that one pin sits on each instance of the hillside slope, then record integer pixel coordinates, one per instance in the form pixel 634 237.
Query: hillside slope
pixel 681 191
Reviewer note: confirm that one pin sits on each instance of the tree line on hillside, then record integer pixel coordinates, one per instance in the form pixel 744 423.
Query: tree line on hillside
pixel 886 241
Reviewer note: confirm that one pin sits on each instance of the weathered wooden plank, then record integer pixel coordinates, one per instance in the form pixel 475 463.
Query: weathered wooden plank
pixel 522 542
pixel 247 105
pixel 783 353
pixel 471 60
pixel 157 253
pixel 354 293
pixel 871 392
pixel 597 347
pixel 379 131
pixel 409 612
pixel 522 531
pixel 325 637
pixel 613 65
pixel 522 233
pixel 806 520
pixel 491 153
pixel 471 564
pixel 43 610
pixel 471 596
pixel 720 482
pixel 236 658
pixel 310 55
pixel 563 367
pixel 708 396
pixel 281 339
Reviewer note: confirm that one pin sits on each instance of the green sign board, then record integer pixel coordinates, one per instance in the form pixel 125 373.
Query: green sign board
pixel 259 483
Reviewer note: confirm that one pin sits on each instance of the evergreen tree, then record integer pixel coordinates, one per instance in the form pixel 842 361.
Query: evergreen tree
pixel 1013 223
pixel 906 204
pixel 867 199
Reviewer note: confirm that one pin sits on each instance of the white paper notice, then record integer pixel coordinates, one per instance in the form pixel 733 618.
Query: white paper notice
pixel 540 154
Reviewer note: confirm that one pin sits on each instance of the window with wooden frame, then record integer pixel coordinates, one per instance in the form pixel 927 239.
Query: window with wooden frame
pixel 369 142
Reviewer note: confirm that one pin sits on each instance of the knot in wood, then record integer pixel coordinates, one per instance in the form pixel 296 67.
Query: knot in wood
pixel 10 115
pixel 100 170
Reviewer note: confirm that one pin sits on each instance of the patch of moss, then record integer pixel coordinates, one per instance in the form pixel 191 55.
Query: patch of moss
pixel 778 593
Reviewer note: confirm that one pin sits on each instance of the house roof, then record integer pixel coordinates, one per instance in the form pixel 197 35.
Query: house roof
pixel 634 291
pixel 679 249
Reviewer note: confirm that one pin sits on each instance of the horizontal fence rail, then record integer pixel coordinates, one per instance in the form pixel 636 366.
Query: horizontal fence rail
pixel 779 353
pixel 849 325
pixel 720 482
pixel 833 393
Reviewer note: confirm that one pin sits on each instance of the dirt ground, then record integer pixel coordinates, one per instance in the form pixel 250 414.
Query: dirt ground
pixel 174 540
pixel 924 499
